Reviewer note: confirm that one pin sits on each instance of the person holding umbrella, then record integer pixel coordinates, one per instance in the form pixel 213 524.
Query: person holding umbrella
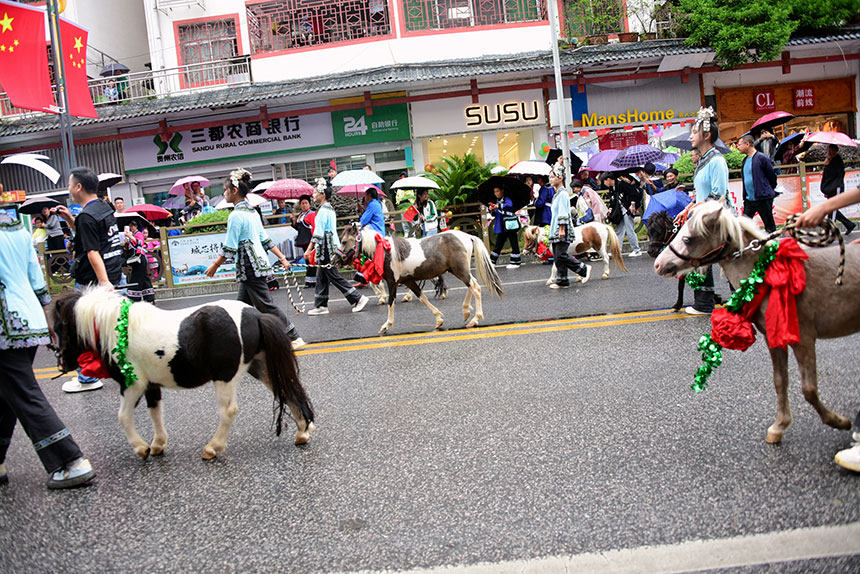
pixel 506 227
pixel 247 243
pixel 140 288
pixel 833 183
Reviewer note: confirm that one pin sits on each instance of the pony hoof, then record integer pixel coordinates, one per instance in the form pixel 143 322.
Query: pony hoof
pixel 302 438
pixel 443 296
pixel 773 437
pixel 549 281
pixel 311 427
pixel 142 452
pixel 383 330
pixel 156 450
pixel 605 276
pixel 472 323
pixel 439 324
pixel 209 453
pixel 381 302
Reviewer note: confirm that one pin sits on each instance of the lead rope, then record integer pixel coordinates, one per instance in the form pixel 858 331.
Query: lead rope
pixel 290 283
pixel 821 236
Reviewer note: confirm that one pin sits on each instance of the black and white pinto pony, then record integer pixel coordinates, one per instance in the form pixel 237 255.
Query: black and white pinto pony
pixel 183 349
pixel 412 260
pixel 595 237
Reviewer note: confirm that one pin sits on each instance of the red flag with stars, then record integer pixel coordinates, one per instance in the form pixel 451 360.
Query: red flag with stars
pixel 24 57
pixel 74 40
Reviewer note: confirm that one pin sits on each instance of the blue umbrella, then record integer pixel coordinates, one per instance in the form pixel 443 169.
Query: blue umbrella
pixel 637 156
pixel 784 141
pixel 673 202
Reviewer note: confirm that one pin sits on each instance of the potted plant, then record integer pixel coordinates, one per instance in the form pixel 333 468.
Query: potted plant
pixel 628 36
pixel 592 19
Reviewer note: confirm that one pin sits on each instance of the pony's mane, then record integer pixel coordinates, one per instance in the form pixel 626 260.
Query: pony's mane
pixel 98 309
pixel 368 241
pixel 729 226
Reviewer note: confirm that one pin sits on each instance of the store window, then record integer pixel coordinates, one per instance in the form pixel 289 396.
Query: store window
pixel 423 15
pixel 206 41
pixel 312 169
pixel 460 145
pixel 514 146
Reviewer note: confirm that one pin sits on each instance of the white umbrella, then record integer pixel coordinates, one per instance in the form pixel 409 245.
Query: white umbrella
pixel 252 199
pixel 530 168
pixel 356 177
pixel 499 169
pixel 178 188
pixel 415 182
pixel 107 180
pixel 34 161
pixel 261 187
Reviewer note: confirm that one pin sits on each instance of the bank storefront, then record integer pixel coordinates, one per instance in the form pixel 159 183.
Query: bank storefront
pixel 504 128
pixel 294 146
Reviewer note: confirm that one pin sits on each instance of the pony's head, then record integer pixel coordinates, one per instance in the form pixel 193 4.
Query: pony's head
pixel 531 238
pixel 348 243
pixel 660 227
pixel 712 232
pixel 84 321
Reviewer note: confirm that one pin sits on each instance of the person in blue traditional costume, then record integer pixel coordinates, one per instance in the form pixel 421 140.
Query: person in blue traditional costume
pixel 23 327
pixel 246 244
pixel 711 181
pixel 506 227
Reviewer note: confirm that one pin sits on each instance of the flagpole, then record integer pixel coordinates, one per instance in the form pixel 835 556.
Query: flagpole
pixel 69 158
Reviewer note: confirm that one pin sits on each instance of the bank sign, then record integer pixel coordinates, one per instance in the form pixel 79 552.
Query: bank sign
pixel 227 141
pixel 355 127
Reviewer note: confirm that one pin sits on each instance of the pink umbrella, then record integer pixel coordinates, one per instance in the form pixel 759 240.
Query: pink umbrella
pixel 771 120
pixel 837 138
pixel 357 190
pixel 179 187
pixel 288 189
pixel 149 211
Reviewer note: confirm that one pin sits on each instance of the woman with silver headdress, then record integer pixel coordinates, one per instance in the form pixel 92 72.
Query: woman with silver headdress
pixel 711 181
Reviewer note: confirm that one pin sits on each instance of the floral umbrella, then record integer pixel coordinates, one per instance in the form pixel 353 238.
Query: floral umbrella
pixel 288 189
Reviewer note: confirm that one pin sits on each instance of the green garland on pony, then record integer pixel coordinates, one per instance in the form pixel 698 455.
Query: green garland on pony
pixel 121 348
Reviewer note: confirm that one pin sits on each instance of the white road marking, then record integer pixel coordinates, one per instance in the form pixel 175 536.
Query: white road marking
pixel 699 555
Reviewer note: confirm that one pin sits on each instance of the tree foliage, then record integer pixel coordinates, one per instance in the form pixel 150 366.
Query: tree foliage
pixel 458 178
pixel 740 32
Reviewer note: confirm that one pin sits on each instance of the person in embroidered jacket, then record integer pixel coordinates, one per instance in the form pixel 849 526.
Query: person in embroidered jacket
pixel 543 204
pixel 23 327
pixel 711 181
pixel 372 217
pixel 246 244
pixel 323 244
pixel 560 230
pixel 140 288
pixel 304 226
pixel 504 216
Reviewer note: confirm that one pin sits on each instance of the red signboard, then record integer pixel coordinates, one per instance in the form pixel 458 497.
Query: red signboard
pixel 804 98
pixel 13 196
pixel 622 140
pixel 764 101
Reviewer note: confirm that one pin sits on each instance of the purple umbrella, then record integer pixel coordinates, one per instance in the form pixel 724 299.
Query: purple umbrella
pixel 174 202
pixel 602 161
pixel 637 156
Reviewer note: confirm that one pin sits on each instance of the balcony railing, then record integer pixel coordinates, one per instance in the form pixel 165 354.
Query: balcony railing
pixel 278 25
pixel 138 86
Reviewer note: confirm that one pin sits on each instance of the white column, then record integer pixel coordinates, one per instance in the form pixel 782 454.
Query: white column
pixel 491 147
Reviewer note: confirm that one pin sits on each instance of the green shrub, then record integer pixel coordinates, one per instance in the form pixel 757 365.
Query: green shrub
pixel 219 218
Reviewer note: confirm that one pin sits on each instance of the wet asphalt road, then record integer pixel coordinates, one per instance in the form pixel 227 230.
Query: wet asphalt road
pixel 521 441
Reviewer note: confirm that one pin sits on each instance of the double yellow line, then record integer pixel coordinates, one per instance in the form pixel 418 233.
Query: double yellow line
pixel 514 329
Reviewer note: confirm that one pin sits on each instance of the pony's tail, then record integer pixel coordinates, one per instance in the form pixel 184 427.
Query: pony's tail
pixel 283 370
pixel 486 271
pixel 615 248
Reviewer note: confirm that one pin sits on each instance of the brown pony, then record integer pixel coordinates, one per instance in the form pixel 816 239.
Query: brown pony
pixel 594 236
pixel 412 260
pixel 824 310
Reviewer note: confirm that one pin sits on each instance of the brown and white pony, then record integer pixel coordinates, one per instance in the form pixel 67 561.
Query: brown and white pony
pixel 824 309
pixel 593 236
pixel 183 349
pixel 412 260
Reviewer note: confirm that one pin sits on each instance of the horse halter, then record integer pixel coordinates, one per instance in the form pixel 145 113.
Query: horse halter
pixel 712 256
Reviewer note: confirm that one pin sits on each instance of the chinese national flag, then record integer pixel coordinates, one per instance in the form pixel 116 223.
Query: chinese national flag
pixel 24 57
pixel 74 53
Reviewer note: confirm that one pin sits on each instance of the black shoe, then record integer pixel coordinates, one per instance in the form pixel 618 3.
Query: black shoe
pixel 848 230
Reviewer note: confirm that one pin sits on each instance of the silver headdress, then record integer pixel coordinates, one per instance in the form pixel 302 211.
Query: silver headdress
pixel 558 170
pixel 704 117
pixel 236 176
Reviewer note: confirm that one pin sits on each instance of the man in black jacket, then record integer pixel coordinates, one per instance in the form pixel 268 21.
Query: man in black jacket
pixel 626 199
pixel 759 182
pixel 97 248
pixel 833 182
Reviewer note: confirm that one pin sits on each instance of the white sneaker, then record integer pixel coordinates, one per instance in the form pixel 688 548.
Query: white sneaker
pixel 75 386
pixel 636 253
pixel 318 311
pixel 557 286
pixel 360 305
pixel 587 274
pixel 849 458
pixel 512 266
pixel 693 311
pixel 298 344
